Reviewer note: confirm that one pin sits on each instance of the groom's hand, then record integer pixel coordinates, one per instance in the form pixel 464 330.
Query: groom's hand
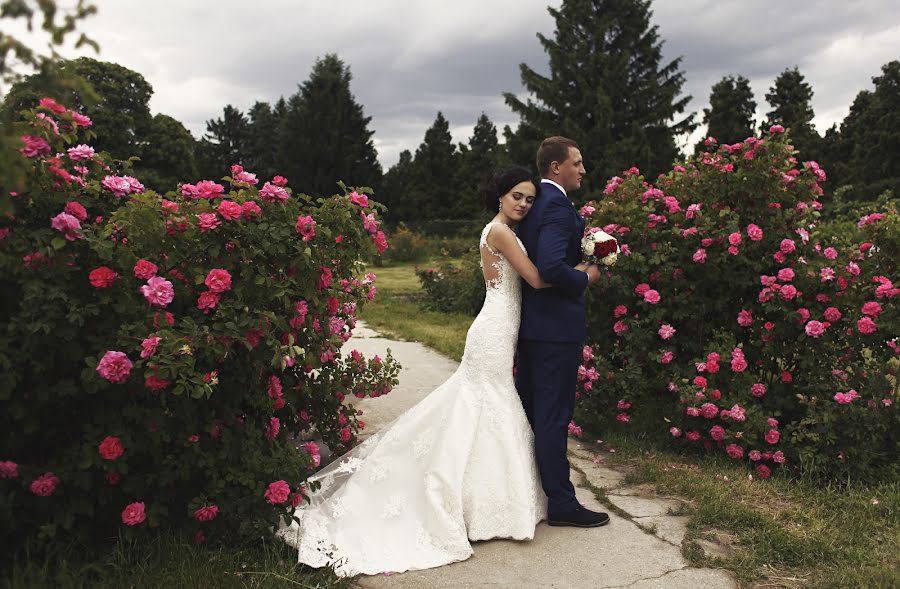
pixel 593 273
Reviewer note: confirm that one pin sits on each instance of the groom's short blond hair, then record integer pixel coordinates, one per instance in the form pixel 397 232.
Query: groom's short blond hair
pixel 553 149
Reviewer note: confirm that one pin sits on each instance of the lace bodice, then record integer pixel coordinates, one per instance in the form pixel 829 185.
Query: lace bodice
pixel 457 466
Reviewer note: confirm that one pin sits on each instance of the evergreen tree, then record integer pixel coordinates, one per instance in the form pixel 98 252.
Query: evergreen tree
pixel 434 173
pixel 478 160
pixel 168 155
pixel 729 117
pixel 608 89
pixel 225 143
pixel 869 140
pixel 263 153
pixel 325 135
pixel 790 98
pixel 398 191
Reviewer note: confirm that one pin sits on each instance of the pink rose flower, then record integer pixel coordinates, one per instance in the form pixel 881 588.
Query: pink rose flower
pixel 666 357
pixel 76 209
pixel 278 492
pixel 587 353
pixel 830 253
pixel 273 428
pixel 102 277
pixel 651 296
pixel 158 291
pixel 772 436
pixel 666 331
pixel 44 485
pixel 787 246
pixel 359 199
pixel 208 221
pixel 788 292
pixel 34 146
pixel 763 471
pixel 273 193
pixel 866 326
pixel 709 410
pixel 279 181
pixel 133 514
pixel 306 227
pixel 620 327
pixel 620 310
pixel 754 232
pixel 676 433
pixel 206 513
pixel 114 366
pixel 68 225
pixel 208 189
pixel 717 432
pixel 776 129
pixel 745 318
pixel 758 390
pixel 208 300
pixel 80 152
pixel 325 278
pixel 832 314
pixel 814 329
pixel 370 223
pixel 144 269
pixel 148 346
pixel 250 210
pixel 380 241
pixel 218 280
pixel 734 238
pixel 700 256
pixel 872 308
pixel 229 210
pixel 785 275
pixel 692 436
pixel 111 448
pixel 9 470
pixel 734 451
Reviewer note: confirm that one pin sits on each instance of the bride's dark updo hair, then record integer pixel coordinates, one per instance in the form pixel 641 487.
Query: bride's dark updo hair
pixel 501 183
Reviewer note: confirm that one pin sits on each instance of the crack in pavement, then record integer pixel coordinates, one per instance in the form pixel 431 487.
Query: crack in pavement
pixel 646 579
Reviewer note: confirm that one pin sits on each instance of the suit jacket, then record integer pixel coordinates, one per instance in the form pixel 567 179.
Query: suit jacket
pixel 551 233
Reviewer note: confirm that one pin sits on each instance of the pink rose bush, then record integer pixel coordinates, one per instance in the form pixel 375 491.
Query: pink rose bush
pixel 149 332
pixel 747 310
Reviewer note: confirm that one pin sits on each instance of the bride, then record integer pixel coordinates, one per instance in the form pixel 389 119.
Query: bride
pixel 458 466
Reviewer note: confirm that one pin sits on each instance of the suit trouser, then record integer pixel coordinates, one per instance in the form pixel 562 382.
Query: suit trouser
pixel 546 376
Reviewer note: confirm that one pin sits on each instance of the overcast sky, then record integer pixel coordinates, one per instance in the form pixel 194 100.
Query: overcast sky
pixel 410 58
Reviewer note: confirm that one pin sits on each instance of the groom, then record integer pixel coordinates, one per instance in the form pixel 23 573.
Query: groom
pixel 553 326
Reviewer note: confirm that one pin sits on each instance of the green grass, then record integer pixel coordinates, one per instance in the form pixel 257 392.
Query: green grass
pixel 397 312
pixel 786 533
pixel 164 560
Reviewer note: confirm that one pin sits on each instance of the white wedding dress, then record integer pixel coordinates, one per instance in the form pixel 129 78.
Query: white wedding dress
pixel 458 466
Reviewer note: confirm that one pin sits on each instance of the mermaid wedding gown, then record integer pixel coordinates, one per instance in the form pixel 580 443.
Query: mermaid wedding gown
pixel 458 466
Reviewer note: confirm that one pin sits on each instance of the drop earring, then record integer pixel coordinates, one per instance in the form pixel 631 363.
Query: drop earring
pixel 500 206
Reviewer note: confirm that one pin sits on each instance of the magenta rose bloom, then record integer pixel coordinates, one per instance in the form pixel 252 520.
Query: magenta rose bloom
pixel 133 514
pixel 758 390
pixel 717 432
pixel 114 366
pixel 772 436
pixel 359 199
pixel 148 346
pixel 9 470
pixel 44 485
pixel 666 331
pixel 866 326
pixel 76 209
pixel 250 210
pixel 111 448
pixel 144 269
pixel 158 291
pixel 208 300
pixel 273 193
pixel 306 227
pixel 278 492
pixel 872 308
pixel 80 152
pixel 102 277
pixel 815 329
pixel 734 451
pixel 218 280
pixel 380 242
pixel 651 296
pixel 207 221
pixel 68 225
pixel 34 146
pixel 229 210
pixel 207 189
pixel 207 513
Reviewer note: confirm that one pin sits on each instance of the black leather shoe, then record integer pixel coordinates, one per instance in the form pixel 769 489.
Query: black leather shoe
pixel 583 518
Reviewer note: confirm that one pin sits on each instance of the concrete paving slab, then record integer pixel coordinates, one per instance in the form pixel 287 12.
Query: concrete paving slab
pixel 670 528
pixel 644 506
pixel 688 578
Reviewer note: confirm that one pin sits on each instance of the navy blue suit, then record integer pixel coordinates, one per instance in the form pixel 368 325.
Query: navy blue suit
pixel 551 336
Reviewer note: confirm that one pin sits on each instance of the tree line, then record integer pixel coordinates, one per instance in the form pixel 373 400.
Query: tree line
pixel 608 87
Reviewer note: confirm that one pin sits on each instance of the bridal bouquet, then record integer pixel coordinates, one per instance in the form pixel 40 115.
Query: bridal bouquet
pixel 599 247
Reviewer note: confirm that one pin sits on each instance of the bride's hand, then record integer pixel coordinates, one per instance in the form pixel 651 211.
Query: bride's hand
pixel 583 266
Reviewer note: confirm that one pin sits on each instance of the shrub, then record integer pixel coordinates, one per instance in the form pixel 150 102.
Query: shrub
pixel 454 288
pixel 734 323
pixel 406 245
pixel 162 356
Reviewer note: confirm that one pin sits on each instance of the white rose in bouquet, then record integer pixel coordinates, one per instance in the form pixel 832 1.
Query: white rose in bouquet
pixel 599 247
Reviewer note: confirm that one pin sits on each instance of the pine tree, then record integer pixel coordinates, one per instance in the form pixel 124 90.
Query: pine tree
pixel 478 160
pixel 608 89
pixel 398 191
pixel 325 137
pixel 263 153
pixel 729 117
pixel 435 171
pixel 224 144
pixel 168 155
pixel 869 140
pixel 790 98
